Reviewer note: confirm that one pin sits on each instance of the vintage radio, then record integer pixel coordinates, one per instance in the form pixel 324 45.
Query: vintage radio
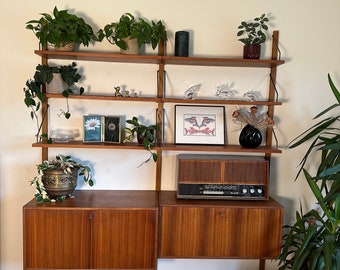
pixel 224 177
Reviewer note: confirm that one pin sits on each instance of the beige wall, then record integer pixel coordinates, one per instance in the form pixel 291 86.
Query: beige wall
pixel 309 43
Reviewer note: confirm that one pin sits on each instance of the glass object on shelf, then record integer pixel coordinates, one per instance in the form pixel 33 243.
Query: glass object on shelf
pixel 61 135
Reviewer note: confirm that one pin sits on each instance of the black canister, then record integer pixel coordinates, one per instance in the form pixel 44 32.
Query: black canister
pixel 182 43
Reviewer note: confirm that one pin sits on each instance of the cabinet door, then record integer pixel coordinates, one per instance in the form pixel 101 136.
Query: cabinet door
pixel 220 232
pixel 124 239
pixel 56 239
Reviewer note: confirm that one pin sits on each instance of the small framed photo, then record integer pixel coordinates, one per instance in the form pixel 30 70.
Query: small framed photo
pixel 112 129
pixel 93 128
pixel 199 124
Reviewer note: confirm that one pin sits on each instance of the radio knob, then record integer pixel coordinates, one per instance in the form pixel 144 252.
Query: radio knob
pixel 252 190
pixel 259 191
pixel 244 190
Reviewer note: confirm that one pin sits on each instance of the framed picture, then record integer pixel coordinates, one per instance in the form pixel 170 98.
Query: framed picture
pixel 112 129
pixel 199 124
pixel 93 128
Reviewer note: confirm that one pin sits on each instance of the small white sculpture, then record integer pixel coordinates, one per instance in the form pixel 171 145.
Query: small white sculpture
pixel 252 95
pixel 225 91
pixel 191 93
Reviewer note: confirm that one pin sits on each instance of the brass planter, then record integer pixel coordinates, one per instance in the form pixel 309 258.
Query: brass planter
pixel 57 183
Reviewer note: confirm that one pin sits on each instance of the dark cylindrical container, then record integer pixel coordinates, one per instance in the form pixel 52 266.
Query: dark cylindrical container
pixel 182 43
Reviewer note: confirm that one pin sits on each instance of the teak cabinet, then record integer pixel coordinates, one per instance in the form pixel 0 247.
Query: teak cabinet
pixel 217 229
pixel 94 230
pixel 124 229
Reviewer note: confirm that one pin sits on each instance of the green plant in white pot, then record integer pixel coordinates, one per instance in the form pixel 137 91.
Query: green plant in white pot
pixel 57 178
pixel 253 34
pixel 130 28
pixel 313 241
pixel 61 29
pixel 44 75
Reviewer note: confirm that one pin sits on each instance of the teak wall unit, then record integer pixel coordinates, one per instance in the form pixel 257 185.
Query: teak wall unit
pixel 88 220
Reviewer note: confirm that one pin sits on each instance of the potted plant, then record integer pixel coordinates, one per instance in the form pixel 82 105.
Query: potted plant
pixel 44 75
pixel 61 29
pixel 145 135
pixel 138 30
pixel 57 178
pixel 313 241
pixel 254 33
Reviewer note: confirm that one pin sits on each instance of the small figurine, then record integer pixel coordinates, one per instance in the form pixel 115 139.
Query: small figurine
pixel 117 92
pixel 252 95
pixel 191 93
pixel 127 93
pixel 225 91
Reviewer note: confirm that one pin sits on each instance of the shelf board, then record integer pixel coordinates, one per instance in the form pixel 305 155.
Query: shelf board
pixel 101 56
pixel 104 97
pixel 167 100
pixel 165 147
pixel 220 101
pixel 219 148
pixel 158 59
pixel 226 62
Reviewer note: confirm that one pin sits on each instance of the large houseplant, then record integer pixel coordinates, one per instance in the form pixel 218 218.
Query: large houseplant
pixel 252 34
pixel 57 178
pixel 145 136
pixel 313 241
pixel 130 28
pixel 44 74
pixel 61 28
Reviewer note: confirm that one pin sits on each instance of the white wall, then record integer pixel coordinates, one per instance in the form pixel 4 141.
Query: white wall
pixel 309 44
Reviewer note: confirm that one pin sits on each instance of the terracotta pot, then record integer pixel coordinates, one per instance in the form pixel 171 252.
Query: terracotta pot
pixel 57 183
pixel 252 51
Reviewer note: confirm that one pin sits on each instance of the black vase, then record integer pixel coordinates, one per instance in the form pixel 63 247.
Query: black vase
pixel 250 137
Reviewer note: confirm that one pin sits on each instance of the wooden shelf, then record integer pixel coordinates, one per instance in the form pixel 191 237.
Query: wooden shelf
pixel 168 100
pixel 164 146
pixel 101 57
pixel 221 101
pixel 105 97
pixel 226 62
pixel 156 59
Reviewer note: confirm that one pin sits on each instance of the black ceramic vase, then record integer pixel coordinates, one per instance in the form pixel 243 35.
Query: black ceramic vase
pixel 250 137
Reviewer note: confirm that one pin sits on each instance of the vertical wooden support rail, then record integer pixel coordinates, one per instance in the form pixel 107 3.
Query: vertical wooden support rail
pixel 272 90
pixel 44 114
pixel 160 116
pixel 272 93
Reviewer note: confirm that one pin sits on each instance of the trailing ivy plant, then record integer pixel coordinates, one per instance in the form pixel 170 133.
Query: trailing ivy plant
pixel 145 136
pixel 61 28
pixel 313 241
pixel 128 26
pixel 35 94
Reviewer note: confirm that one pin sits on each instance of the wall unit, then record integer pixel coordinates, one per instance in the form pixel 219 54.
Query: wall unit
pixel 269 214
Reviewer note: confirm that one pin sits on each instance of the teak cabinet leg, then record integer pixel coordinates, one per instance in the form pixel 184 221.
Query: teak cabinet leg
pixel 262 265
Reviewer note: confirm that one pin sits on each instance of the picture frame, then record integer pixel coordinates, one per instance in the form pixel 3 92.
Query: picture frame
pixel 200 125
pixel 112 129
pixel 93 128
